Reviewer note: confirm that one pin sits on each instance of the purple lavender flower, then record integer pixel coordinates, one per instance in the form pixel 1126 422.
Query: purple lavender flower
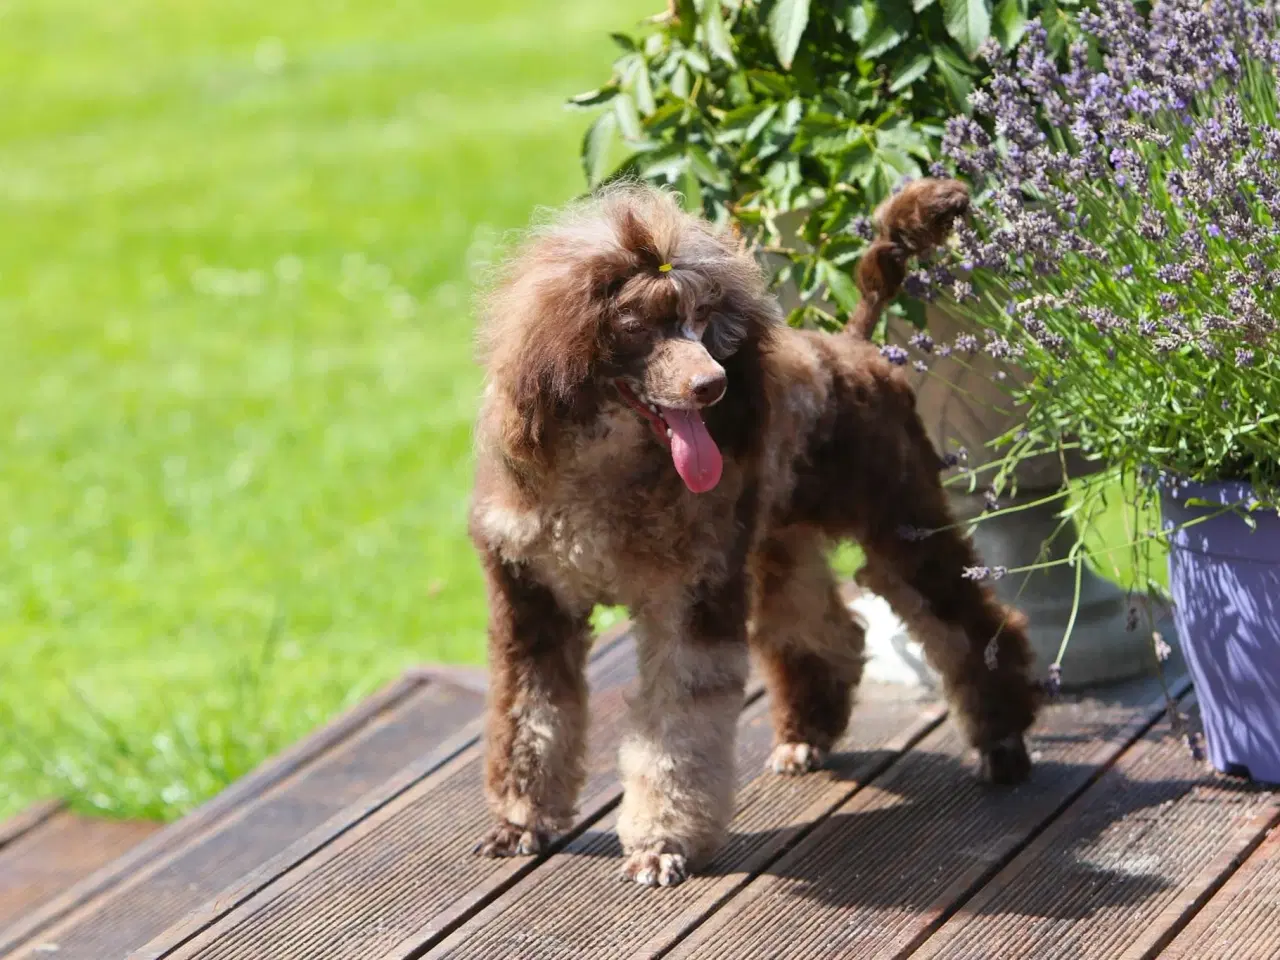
pixel 1053 681
pixel 894 354
pixel 999 348
pixel 1195 745
pixel 976 573
pixel 922 342
pixel 919 366
pixel 1244 358
pixel 1162 648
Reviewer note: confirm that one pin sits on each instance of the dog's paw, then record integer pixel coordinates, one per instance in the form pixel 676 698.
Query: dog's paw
pixel 656 865
pixel 1005 762
pixel 793 759
pixel 509 839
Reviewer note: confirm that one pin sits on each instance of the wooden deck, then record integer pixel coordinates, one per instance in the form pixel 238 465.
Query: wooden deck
pixel 356 844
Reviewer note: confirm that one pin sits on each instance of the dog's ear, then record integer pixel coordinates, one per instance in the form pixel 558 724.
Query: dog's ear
pixel 544 341
pixel 750 313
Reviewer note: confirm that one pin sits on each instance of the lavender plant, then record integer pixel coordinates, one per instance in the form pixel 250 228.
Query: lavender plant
pixel 1125 252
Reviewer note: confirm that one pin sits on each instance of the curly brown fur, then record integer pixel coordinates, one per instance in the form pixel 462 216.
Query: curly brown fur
pixel 653 435
pixel 909 224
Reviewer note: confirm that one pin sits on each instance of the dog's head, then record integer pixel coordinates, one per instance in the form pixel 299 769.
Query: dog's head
pixel 625 298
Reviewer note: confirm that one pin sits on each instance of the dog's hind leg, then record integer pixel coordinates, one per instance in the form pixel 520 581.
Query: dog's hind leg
pixel 809 645
pixel 677 760
pixel 925 566
pixel 537 711
pixel 873 474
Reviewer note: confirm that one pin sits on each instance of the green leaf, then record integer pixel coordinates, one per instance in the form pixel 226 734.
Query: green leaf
pixel 680 83
pixel 1056 26
pixel 859 21
pixel 843 290
pixel 957 83
pixel 700 164
pixel 691 191
pixel 716 33
pixel 595 146
pixel 696 61
pixel 628 118
pixel 1010 22
pixel 968 22
pixel 916 313
pixel 944 52
pixel 909 72
pixel 889 26
pixel 593 98
pixel 745 123
pixel 665 116
pixel 686 20
pixel 766 81
pixel 787 21
pixel 760 122
pixel 642 89
pixel 821 134
pixel 626 43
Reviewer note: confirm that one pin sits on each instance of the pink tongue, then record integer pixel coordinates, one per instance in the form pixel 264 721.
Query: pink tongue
pixel 696 456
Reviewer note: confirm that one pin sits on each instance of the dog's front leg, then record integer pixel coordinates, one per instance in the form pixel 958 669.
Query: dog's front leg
pixel 677 760
pixel 537 711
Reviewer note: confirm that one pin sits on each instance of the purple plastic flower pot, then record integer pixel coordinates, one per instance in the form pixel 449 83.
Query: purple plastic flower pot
pixel 1225 580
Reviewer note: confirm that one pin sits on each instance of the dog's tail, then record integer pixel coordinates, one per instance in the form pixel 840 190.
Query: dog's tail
pixel 908 224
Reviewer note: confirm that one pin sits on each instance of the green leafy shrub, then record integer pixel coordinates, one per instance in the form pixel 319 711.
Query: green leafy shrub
pixel 811 111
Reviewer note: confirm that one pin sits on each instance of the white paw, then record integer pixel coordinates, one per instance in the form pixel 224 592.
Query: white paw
pixel 652 867
pixel 793 759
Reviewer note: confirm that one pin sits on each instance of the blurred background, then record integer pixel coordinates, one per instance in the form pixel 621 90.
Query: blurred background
pixel 237 249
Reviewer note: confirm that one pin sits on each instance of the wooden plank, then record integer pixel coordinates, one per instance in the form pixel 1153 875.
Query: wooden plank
pixel 28 819
pixel 531 921
pixel 888 866
pixel 406 866
pixel 140 895
pixel 1242 920
pixel 56 852
pixel 174 836
pixel 1122 869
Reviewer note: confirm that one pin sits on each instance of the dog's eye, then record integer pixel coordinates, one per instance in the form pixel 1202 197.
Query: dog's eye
pixel 631 331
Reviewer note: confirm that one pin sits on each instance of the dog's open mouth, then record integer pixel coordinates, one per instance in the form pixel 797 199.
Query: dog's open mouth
pixel 695 455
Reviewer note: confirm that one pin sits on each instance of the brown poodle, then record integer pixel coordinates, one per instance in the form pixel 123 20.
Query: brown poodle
pixel 652 434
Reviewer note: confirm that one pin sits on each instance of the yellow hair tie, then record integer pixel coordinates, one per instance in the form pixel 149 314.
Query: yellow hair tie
pixel 664 268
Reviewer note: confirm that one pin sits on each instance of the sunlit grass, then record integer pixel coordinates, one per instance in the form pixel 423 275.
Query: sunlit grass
pixel 236 370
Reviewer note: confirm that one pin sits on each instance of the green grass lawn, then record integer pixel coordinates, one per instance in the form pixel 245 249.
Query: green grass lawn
pixel 236 255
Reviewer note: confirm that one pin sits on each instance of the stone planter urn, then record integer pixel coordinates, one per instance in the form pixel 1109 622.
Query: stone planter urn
pixel 956 403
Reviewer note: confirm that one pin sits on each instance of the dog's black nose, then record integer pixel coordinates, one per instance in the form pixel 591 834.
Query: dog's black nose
pixel 708 387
